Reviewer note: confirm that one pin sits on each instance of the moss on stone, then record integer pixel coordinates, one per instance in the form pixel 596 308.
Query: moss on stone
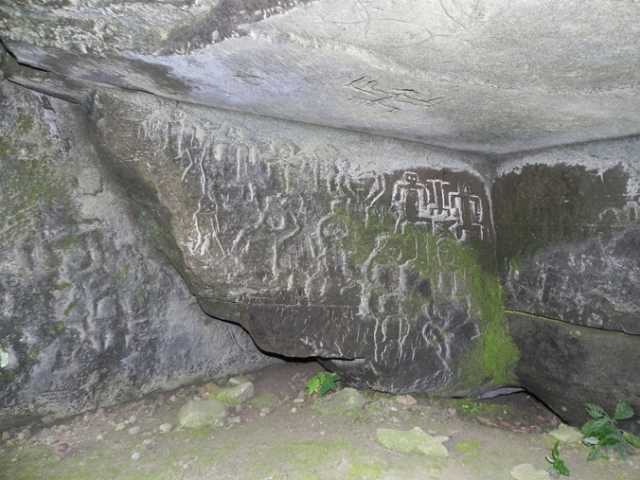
pixel 58 327
pixel 61 286
pixel 494 355
pixel 6 148
pixel 69 241
pixel 365 471
pixel 70 308
pixel 468 447
pixel 24 123
pixel 121 274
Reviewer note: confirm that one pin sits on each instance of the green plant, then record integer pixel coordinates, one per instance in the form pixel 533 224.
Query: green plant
pixel 602 433
pixel 322 383
pixel 557 463
pixel 470 407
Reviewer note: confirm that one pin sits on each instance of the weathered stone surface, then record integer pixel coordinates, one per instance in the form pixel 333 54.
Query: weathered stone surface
pixel 526 471
pixel 322 243
pixel 566 434
pixel 90 312
pixel 202 413
pixel 569 250
pixel 376 255
pixel 490 75
pixel 412 441
pixel 570 235
pixel 566 366
pixel 236 394
pixel 344 402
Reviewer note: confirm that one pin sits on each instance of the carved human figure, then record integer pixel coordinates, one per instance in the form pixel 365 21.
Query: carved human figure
pixel 333 259
pixel 409 199
pixel 276 225
pixel 468 211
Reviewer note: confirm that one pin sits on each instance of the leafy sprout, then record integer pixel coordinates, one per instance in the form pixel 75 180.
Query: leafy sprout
pixel 603 435
pixel 557 463
pixel 322 383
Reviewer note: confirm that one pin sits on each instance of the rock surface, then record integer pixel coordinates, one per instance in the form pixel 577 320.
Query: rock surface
pixel 91 313
pixel 321 246
pixel 526 471
pixel 566 434
pixel 568 246
pixel 344 402
pixel 235 394
pixel 375 254
pixel 202 413
pixel 412 441
pixel 487 75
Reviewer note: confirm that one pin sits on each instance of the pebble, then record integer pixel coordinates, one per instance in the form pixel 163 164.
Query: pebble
pixel 120 426
pixel 147 441
pixel 134 430
pixel 135 456
pixel 294 410
pixel 99 437
pixel 165 428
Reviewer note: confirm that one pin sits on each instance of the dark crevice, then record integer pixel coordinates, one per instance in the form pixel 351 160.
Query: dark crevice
pixel 567 324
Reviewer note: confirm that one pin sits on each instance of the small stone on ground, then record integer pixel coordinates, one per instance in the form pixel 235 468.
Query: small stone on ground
pixel 345 401
pixel 202 413
pixel 566 434
pixel 415 440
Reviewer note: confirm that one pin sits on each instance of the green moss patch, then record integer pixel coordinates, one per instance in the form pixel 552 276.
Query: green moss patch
pixel 494 355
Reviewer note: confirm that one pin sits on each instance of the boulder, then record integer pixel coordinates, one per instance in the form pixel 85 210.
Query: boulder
pixel 322 249
pixel 568 247
pixel 91 312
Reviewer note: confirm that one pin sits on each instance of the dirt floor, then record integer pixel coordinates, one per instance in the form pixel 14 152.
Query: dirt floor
pixel 281 434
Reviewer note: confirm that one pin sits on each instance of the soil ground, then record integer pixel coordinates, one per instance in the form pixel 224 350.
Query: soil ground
pixel 277 435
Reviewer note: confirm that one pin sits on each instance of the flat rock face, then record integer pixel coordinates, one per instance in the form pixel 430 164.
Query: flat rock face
pixel 372 252
pixel 569 243
pixel 486 75
pixel 91 313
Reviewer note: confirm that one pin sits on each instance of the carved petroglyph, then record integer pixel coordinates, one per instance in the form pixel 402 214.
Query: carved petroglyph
pixel 274 223
pixel 619 217
pixel 266 208
pixel 437 204
pixel 391 99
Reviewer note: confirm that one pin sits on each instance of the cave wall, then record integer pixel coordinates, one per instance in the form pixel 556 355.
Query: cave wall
pixel 373 253
pixel 91 312
pixel 129 215
pixel 568 249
